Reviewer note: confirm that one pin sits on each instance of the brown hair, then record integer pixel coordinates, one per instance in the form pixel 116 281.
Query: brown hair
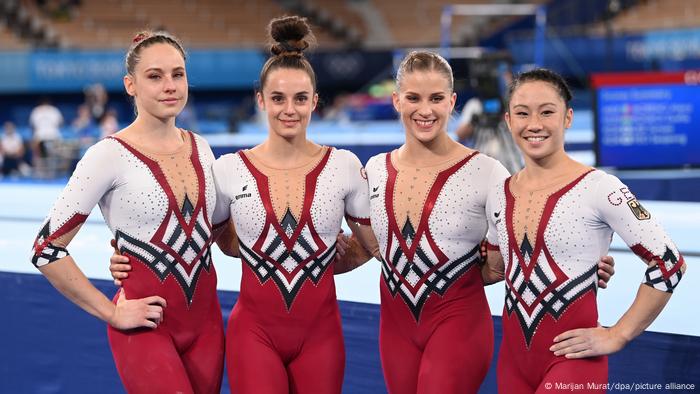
pixel 146 38
pixel 290 36
pixel 424 61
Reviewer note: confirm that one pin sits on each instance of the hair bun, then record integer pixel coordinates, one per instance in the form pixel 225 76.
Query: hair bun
pixel 291 34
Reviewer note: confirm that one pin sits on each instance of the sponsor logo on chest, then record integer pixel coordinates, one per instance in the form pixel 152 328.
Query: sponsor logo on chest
pixel 374 193
pixel 244 194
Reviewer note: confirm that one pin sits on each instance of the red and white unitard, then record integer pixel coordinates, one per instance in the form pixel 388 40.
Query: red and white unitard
pixel 284 332
pixel 436 332
pixel 159 208
pixel 551 240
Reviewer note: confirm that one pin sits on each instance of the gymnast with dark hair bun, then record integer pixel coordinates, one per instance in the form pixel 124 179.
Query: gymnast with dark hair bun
pixel 285 200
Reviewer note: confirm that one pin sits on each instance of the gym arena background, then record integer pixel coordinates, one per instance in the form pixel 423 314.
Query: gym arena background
pixel 634 65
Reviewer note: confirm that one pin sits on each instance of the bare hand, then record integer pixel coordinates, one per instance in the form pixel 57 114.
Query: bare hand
pixel 483 250
pixel 606 269
pixel 587 342
pixel 142 312
pixel 119 267
pixel 342 243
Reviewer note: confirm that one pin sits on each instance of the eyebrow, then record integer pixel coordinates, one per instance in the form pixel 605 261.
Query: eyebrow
pixel 430 94
pixel 540 106
pixel 178 68
pixel 282 93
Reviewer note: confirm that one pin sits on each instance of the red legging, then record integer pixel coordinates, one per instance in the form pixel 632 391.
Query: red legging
pixel 284 356
pixel 446 353
pixel 559 375
pixel 455 359
pixel 158 361
pixel 185 353
pixel 533 368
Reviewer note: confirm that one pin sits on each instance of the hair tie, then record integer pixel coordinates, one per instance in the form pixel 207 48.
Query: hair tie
pixel 140 37
pixel 291 48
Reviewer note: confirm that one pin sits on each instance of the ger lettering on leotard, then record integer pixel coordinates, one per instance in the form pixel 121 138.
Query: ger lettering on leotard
pixel 159 209
pixel 285 328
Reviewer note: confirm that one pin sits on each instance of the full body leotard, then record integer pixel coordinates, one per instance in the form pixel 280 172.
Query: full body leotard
pixel 551 240
pixel 158 207
pixel 436 332
pixel 284 333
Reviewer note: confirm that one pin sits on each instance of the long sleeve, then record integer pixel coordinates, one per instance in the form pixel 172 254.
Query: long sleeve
pixel 93 177
pixel 620 209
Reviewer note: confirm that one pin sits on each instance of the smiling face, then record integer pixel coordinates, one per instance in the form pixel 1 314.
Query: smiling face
pixel 537 117
pixel 424 102
pixel 158 83
pixel 289 99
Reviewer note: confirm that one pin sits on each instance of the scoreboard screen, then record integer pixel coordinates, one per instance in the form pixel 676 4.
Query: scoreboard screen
pixel 647 120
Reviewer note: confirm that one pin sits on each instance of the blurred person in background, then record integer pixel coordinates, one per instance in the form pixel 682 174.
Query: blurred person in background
pixel 85 128
pixel 109 123
pixel 96 99
pixel 481 124
pixel 154 186
pixel 85 131
pixel 83 121
pixel 12 151
pixel 45 121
